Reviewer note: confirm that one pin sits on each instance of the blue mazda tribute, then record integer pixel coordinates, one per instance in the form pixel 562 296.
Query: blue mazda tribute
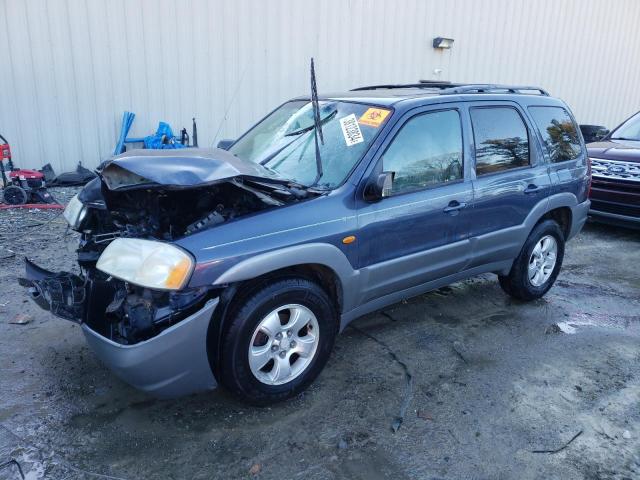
pixel 239 265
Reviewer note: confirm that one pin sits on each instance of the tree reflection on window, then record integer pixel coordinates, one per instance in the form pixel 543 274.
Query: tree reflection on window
pixel 501 139
pixel 502 154
pixel 558 131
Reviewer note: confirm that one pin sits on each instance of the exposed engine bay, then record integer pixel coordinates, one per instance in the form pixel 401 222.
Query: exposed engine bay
pixel 168 214
pixel 140 202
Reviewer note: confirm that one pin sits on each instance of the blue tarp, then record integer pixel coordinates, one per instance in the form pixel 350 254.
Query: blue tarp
pixel 162 139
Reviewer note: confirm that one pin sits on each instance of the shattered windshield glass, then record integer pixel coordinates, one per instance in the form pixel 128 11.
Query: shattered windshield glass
pixel 284 141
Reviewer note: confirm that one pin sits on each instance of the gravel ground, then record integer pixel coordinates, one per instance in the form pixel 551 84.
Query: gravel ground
pixel 486 387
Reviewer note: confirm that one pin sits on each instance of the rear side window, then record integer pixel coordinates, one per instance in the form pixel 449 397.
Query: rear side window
pixel 558 131
pixel 427 151
pixel 501 139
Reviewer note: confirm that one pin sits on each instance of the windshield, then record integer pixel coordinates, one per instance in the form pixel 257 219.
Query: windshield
pixel 629 130
pixel 284 141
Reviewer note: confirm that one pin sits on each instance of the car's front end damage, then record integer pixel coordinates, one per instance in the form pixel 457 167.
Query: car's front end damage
pixel 138 311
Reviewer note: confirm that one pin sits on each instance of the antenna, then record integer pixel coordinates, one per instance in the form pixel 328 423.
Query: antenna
pixel 317 131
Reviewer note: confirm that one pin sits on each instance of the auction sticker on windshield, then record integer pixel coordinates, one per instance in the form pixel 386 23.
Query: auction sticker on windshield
pixel 351 130
pixel 374 117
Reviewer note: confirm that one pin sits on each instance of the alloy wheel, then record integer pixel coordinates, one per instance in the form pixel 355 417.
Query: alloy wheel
pixel 543 260
pixel 283 344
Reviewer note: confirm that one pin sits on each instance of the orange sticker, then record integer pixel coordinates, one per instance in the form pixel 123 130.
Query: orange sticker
pixel 374 117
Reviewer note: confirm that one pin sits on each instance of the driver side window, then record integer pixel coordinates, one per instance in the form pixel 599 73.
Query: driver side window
pixel 427 151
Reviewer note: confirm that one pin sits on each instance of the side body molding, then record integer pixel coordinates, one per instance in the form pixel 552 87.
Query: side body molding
pixel 309 253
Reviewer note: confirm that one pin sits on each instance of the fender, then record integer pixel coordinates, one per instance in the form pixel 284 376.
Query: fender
pixel 317 253
pixel 578 209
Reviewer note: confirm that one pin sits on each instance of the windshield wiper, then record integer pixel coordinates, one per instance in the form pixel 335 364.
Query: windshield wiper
pixel 626 138
pixel 296 133
pixel 311 127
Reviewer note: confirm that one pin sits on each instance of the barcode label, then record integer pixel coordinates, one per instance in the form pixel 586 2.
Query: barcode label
pixel 351 130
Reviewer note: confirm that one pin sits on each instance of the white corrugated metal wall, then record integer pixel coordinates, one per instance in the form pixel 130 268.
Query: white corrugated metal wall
pixel 69 68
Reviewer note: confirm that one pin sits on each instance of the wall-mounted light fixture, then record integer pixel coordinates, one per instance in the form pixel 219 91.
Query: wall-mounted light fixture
pixel 442 42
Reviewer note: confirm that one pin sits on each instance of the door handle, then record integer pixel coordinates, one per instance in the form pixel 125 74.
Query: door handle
pixel 454 206
pixel 532 188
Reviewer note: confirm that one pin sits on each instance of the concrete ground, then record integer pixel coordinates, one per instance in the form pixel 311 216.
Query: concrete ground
pixel 474 384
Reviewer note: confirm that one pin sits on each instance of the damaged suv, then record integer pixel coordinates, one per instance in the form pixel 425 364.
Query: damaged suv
pixel 240 266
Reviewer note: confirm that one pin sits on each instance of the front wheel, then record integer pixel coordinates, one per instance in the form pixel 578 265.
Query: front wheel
pixel 536 268
pixel 278 341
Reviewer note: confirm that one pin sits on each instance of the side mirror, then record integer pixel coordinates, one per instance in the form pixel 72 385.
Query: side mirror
pixel 225 144
pixel 379 187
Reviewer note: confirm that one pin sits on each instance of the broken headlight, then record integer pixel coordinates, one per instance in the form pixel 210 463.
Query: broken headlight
pixel 75 212
pixel 147 263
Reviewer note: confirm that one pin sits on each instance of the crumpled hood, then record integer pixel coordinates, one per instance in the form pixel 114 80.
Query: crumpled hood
pixel 621 150
pixel 182 168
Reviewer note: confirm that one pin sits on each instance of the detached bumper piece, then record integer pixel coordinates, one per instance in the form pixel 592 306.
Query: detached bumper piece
pixel 64 294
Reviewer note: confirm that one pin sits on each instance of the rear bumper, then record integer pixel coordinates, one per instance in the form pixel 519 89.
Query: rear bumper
pixel 171 364
pixel 578 218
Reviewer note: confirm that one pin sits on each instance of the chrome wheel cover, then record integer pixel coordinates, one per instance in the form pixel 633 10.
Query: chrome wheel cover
pixel 543 260
pixel 283 344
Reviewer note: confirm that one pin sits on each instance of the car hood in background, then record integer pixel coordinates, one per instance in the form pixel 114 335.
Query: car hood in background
pixel 180 168
pixel 621 150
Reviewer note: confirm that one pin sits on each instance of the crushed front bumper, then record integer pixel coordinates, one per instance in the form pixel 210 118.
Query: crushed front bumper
pixel 170 364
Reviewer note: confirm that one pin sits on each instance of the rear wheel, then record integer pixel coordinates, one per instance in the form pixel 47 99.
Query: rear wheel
pixel 278 341
pixel 536 268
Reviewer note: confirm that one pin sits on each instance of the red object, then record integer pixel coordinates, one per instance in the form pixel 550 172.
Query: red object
pixel 26 174
pixel 41 206
pixel 5 152
pixel 589 174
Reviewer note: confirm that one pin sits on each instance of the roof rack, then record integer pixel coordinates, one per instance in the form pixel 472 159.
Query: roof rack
pixel 490 88
pixel 422 84
pixel 448 88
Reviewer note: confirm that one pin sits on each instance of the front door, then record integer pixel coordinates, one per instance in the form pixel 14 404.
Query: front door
pixel 420 231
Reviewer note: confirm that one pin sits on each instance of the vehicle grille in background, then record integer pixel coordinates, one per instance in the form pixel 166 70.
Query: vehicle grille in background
pixel 615 169
pixel 615 187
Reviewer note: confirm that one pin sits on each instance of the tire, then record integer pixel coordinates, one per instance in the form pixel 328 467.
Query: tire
pixel 518 283
pixel 294 301
pixel 14 195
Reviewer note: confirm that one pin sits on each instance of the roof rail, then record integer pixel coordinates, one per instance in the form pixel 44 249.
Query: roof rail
pixel 491 88
pixel 422 84
pixel 448 88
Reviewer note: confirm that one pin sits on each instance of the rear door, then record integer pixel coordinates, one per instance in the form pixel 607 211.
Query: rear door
pixel 420 231
pixel 511 178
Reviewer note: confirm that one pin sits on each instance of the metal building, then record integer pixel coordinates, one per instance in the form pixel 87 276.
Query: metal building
pixel 69 68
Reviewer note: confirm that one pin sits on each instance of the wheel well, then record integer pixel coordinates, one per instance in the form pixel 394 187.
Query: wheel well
pixel 562 216
pixel 322 275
